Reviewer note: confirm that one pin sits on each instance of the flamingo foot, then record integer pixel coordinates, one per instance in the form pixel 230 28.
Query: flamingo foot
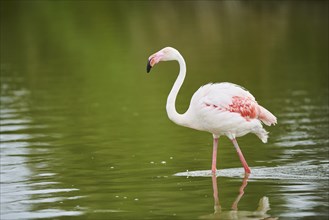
pixel 247 170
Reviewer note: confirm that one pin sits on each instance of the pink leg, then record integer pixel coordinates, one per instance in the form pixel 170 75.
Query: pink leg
pixel 243 161
pixel 214 155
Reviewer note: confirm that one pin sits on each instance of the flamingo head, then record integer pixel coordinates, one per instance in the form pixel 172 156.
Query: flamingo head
pixel 166 54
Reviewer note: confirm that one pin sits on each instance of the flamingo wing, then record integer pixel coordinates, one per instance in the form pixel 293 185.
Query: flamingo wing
pixel 229 97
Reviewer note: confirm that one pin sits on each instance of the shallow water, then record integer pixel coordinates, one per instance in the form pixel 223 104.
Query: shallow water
pixel 84 132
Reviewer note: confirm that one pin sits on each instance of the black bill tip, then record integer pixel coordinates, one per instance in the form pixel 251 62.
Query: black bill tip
pixel 148 67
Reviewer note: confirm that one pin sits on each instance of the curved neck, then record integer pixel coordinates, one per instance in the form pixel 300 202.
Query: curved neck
pixel 171 108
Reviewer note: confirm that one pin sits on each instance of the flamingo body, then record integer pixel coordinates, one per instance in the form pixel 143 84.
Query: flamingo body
pixel 223 109
pixel 228 109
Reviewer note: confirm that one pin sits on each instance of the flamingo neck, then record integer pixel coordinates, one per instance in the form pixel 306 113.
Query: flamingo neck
pixel 171 100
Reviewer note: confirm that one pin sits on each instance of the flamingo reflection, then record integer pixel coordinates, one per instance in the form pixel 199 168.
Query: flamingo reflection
pixel 259 213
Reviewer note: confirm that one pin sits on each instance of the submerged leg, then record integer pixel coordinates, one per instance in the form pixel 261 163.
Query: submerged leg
pixel 217 207
pixel 214 155
pixel 243 161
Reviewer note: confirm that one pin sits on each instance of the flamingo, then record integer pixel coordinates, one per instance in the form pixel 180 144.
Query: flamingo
pixel 223 109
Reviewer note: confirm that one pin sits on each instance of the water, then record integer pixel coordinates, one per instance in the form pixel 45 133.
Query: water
pixel 85 135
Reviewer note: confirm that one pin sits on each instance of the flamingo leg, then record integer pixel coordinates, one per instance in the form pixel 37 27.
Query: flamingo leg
pixel 243 161
pixel 214 155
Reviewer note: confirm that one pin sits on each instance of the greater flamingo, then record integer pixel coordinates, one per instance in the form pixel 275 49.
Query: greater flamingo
pixel 219 108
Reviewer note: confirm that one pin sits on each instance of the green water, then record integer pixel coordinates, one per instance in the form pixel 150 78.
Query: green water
pixel 85 135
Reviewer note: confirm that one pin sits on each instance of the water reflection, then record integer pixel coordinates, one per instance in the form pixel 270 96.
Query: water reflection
pixel 235 213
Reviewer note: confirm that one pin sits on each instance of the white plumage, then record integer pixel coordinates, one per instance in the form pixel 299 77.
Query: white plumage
pixel 210 106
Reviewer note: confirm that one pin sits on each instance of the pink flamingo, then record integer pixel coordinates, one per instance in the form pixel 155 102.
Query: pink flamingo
pixel 218 108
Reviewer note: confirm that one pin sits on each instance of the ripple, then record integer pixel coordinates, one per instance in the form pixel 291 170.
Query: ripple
pixel 288 172
pixel 25 187
pixel 45 213
pixel 14 121
pixel 295 143
pixel 109 210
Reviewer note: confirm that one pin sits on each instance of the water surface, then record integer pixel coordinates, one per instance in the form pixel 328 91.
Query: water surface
pixel 84 132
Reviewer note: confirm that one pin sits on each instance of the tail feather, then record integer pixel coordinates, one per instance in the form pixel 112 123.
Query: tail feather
pixel 262 134
pixel 266 116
